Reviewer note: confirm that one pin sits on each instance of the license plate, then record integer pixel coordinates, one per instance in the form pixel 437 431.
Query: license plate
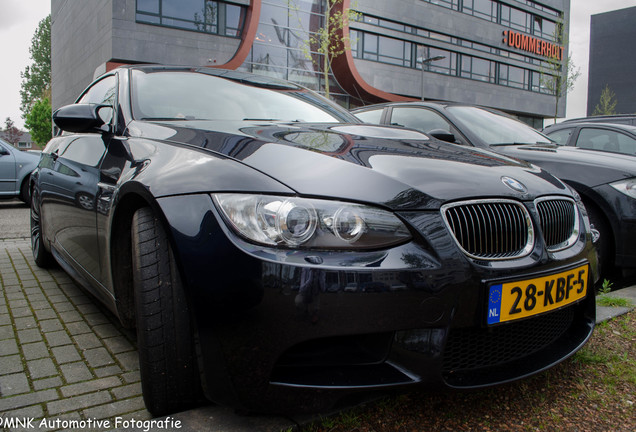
pixel 510 301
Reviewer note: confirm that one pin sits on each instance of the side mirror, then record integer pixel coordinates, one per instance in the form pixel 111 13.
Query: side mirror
pixel 79 117
pixel 443 135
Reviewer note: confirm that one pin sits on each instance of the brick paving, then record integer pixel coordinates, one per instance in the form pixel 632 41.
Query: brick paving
pixel 61 355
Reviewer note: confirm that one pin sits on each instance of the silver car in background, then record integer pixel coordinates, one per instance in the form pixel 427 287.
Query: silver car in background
pixel 15 169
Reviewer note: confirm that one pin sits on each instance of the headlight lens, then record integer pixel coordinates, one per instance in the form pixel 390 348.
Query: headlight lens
pixel 310 223
pixel 628 187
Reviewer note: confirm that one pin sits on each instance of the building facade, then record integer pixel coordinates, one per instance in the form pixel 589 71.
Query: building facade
pixel 613 59
pixel 496 53
pixel 20 139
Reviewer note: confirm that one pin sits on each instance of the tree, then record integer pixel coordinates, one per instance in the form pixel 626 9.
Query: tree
pixel 607 103
pixel 12 134
pixel 36 78
pixel 327 40
pixel 558 76
pixel 38 121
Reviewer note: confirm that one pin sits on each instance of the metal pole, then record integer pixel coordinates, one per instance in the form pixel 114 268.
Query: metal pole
pixel 428 60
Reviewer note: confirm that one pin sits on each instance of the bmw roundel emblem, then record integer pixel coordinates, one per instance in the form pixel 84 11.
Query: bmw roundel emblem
pixel 513 184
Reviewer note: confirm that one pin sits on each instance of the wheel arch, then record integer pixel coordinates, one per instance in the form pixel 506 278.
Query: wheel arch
pixel 120 248
pixel 592 198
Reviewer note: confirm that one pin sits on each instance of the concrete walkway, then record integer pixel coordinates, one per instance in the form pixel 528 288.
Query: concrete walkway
pixel 65 359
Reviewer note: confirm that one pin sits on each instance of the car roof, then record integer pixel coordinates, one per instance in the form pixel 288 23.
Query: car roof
pixel 564 125
pixel 601 118
pixel 243 77
pixel 419 103
pixel 440 105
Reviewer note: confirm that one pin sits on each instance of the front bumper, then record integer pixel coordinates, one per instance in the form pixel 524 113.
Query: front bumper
pixel 279 333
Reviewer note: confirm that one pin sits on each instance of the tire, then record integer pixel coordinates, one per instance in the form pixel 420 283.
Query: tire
pixel 25 193
pixel 42 257
pixel 605 243
pixel 169 375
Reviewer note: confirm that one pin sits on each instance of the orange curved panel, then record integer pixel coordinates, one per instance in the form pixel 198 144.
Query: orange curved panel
pixel 247 37
pixel 345 71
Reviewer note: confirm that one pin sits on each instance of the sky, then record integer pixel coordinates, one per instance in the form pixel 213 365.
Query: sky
pixel 19 19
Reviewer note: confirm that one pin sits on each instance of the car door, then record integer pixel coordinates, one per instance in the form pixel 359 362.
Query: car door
pixel 7 170
pixel 69 194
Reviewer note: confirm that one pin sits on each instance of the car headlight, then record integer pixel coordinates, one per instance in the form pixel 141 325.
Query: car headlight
pixel 310 223
pixel 628 187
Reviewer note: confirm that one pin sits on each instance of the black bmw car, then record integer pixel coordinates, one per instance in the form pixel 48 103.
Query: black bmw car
pixel 276 255
pixel 605 181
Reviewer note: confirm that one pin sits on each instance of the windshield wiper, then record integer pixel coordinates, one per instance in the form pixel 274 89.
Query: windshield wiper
pixel 186 118
pixel 260 119
pixel 521 143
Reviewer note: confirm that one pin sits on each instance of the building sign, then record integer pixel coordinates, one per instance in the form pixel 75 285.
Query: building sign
pixel 532 44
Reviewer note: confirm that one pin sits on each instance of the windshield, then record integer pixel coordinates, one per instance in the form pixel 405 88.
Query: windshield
pixel 495 129
pixel 188 95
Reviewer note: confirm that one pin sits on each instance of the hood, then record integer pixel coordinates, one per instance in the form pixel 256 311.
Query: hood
pixel 572 164
pixel 393 167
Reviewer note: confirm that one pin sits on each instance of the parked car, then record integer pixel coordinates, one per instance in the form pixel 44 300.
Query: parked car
pixel 606 182
pixel 227 205
pixel 613 138
pixel 15 169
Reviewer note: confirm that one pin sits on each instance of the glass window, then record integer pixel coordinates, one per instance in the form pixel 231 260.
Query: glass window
pixel 209 16
pixel 626 144
pixel 450 4
pixel 371 20
pixel 151 6
pixel 493 128
pixel 234 16
pixel 370 116
pixel 544 28
pixel 515 18
pixel 513 76
pixel 421 119
pixel 477 69
pixel 486 9
pixel 394 51
pixel 606 140
pixel 187 96
pixel 549 30
pixel 354 39
pixel 561 136
pixel 103 92
pixel 370 47
pixel 86 151
pixel 391 25
pixel 446 65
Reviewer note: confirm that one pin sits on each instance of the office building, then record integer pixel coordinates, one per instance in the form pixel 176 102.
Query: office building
pixel 486 52
pixel 613 59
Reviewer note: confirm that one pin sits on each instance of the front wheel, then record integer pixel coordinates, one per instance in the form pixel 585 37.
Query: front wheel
pixel 42 257
pixel 25 194
pixel 605 243
pixel 169 376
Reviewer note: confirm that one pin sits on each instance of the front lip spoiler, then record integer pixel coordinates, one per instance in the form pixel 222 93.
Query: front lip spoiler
pixel 389 373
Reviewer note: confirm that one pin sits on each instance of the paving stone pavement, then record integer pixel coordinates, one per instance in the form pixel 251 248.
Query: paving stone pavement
pixel 61 355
